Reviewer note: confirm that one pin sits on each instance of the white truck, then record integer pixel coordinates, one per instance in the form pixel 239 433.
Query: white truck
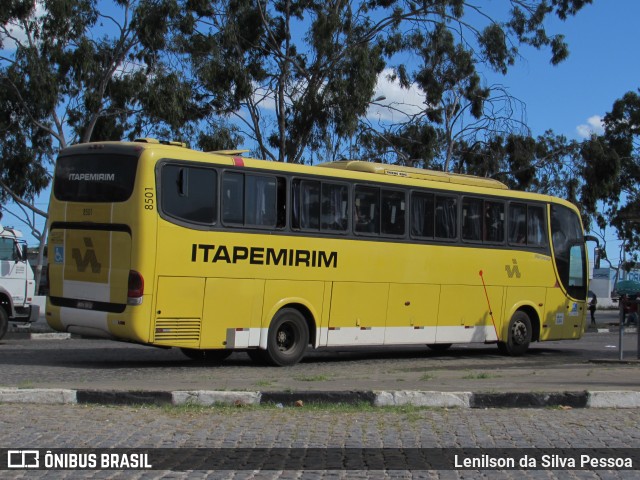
pixel 17 284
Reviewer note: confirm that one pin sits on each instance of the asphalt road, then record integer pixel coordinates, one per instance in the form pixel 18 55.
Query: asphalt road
pixel 587 364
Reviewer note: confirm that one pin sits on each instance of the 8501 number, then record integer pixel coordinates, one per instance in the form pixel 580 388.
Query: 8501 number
pixel 148 199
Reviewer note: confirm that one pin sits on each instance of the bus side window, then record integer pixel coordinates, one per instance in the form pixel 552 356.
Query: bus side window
pixel 306 205
pixel 536 231
pixel 367 208
pixel 189 193
pixel 281 203
pixel 253 200
pixel 334 207
pixel 494 222
pixel 393 208
pixel 517 224
pixel 260 201
pixel 422 214
pixel 472 219
pixel 446 217
pixel 233 198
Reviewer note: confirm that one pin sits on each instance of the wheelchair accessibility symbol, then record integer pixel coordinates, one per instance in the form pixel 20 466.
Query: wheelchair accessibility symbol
pixel 58 255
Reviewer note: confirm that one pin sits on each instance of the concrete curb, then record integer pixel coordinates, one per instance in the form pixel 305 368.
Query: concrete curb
pixel 584 399
pixel 207 398
pixel 620 399
pixel 37 395
pixel 423 399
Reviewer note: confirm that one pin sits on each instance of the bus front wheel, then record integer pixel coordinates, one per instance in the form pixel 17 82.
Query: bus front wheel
pixel 519 335
pixel 288 338
pixel 206 356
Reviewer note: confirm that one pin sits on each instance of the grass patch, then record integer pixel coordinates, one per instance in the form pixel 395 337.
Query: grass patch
pixel 410 411
pixel 313 378
pixel 479 376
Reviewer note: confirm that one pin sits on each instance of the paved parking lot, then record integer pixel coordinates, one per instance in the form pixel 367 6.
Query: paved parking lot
pixel 383 431
pixel 375 433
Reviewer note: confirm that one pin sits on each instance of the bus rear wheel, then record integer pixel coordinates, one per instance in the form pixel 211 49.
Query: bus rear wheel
pixel 519 335
pixel 206 356
pixel 287 339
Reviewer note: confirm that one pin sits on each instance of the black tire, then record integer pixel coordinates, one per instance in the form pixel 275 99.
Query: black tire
pixel 519 335
pixel 4 322
pixel 206 356
pixel 288 338
pixel 439 347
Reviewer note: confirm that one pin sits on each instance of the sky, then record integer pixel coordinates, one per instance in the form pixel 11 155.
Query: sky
pixel 603 65
pixel 570 98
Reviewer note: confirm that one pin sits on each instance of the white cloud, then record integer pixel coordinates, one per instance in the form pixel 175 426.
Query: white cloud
pixel 594 125
pixel 390 102
pixel 12 33
pixel 398 103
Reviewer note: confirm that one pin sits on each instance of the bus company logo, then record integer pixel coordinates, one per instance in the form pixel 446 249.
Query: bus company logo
pixel 89 258
pixel 92 177
pixel 263 256
pixel 23 459
pixel 513 270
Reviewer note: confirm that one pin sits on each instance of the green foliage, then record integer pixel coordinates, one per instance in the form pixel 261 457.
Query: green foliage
pixel 319 78
pixel 72 74
pixel 317 63
pixel 219 136
pixel 622 147
pixel 298 77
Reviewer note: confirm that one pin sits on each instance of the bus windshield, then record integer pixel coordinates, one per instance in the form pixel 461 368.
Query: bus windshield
pixel 569 251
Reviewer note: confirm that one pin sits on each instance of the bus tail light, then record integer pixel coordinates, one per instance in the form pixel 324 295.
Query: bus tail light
pixel 135 288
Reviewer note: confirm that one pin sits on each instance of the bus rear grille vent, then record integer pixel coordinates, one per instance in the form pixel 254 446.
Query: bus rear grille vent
pixel 178 331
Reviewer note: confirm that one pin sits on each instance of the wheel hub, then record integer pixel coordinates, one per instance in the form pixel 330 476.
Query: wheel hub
pixel 284 338
pixel 519 332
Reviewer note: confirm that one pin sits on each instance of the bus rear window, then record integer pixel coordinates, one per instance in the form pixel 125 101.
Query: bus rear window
pixel 95 178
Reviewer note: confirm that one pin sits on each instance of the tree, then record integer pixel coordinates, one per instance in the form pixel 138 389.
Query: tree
pixel 315 64
pixel 620 156
pixel 72 72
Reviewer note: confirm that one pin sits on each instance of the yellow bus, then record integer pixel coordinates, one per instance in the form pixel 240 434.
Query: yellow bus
pixel 154 243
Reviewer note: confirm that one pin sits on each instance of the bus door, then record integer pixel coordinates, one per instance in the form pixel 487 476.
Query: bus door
pixel 566 313
pixel 566 300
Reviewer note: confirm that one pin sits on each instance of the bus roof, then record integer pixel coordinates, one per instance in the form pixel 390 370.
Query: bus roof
pixel 417 173
pixel 353 168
